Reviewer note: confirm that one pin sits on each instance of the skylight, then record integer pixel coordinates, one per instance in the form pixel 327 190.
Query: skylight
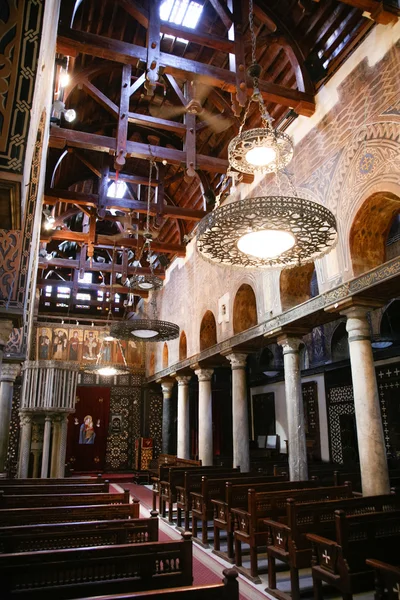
pixel 181 12
pixel 87 278
pixel 117 189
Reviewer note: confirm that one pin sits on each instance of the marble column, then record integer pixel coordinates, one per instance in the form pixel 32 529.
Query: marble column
pixel 206 453
pixel 167 425
pixel 55 454
pixel 298 469
pixel 8 374
pixel 370 436
pixel 6 327
pixel 183 449
pixel 46 447
pixel 63 445
pixel 240 418
pixel 25 445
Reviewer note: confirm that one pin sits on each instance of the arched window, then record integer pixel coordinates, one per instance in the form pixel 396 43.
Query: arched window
pixel 165 356
pixel 182 346
pixel 244 309
pixel 340 344
pixel 295 285
pixel 208 331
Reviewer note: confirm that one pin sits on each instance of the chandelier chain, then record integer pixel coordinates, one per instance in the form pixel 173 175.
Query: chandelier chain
pixel 252 32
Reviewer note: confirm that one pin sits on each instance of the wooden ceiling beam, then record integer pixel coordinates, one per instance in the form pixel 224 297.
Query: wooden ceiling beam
pixel 141 15
pixel 99 97
pixel 66 263
pixel 60 137
pixel 120 289
pixel 138 179
pixel 379 12
pixel 223 12
pixel 122 127
pixel 155 122
pixel 123 52
pixel 53 195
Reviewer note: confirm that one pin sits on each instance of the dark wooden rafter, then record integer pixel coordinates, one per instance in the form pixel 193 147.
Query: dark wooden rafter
pixel 122 127
pixel 190 138
pixel 70 40
pixel 223 12
pixel 153 47
pixel 377 9
pixel 237 61
pixel 94 287
pixel 66 263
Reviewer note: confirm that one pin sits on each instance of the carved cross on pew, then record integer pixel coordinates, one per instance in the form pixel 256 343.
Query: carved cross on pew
pixel 279 539
pixel 326 556
pixel 397 589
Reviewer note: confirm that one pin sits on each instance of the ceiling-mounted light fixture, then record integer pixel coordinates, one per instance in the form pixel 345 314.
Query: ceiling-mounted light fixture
pixel 104 365
pixel 59 109
pixel 280 230
pixel 147 330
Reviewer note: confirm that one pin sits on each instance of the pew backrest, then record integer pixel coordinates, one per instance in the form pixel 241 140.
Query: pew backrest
pixel 72 488
pixel 42 500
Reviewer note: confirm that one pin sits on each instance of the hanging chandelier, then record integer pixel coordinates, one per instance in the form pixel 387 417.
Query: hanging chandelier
pixel 104 365
pixel 150 281
pixel 278 231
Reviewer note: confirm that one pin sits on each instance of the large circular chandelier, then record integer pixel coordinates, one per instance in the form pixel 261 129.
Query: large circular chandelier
pixel 104 365
pixel 147 330
pixel 144 282
pixel 268 231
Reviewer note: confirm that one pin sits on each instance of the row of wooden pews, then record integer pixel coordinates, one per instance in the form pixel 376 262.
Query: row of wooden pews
pixel 286 520
pixel 71 539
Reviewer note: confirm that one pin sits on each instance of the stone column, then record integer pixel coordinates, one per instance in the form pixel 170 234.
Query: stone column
pixel 46 447
pixel 240 418
pixel 25 444
pixel 183 450
pixel 35 470
pixel 166 446
pixel 55 449
pixel 6 327
pixel 206 454
pixel 7 378
pixel 298 469
pixel 370 436
pixel 63 445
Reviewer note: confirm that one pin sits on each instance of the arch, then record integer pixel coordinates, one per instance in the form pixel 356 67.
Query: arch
pixel 340 344
pixel 295 285
pixel 165 356
pixel 369 231
pixel 208 331
pixel 390 322
pixel 152 364
pixel 244 309
pixel 182 346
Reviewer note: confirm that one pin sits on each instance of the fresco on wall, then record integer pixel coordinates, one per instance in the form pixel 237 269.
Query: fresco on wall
pixel 84 344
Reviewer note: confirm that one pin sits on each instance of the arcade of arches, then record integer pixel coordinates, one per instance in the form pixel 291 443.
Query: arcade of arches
pixel 310 355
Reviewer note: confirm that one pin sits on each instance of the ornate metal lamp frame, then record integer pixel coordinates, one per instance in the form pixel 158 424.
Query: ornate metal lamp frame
pixel 151 282
pixel 312 225
pixel 262 137
pixel 125 330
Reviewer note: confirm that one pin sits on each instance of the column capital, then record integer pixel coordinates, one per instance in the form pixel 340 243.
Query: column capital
pixel 6 327
pixel 204 374
pixel 357 325
pixel 25 418
pixel 10 371
pixel 183 379
pixel 237 360
pixel 290 344
pixel 166 387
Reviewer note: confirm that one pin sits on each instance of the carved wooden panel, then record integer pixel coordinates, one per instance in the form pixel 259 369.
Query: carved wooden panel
pixel 10 259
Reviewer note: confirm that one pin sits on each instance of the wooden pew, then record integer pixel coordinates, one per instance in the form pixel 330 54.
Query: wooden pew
pixel 175 477
pixel 236 496
pixel 342 562
pixel 355 477
pixel 67 514
pixel 56 481
pixel 162 475
pixel 227 590
pixel 72 488
pixel 288 541
pixel 50 536
pixel 74 573
pixel 387 579
pixel 41 500
pixel 214 488
pixel 250 526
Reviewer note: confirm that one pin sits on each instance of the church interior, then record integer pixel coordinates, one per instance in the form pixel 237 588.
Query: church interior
pixel 200 299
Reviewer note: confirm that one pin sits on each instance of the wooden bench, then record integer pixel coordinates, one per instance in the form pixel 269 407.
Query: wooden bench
pixel 342 562
pixel 355 477
pixel 227 590
pixel 250 526
pixel 162 475
pixel 56 481
pixel 72 488
pixel 50 536
pixel 236 496
pixel 387 579
pixel 288 541
pixel 67 514
pixel 36 500
pixel 74 573
pixel 176 477
pixel 213 489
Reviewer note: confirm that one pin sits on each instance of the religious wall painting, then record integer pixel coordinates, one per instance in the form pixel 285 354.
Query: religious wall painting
pixel 75 345
pixel 87 434
pixel 91 345
pixel 44 343
pixel 59 345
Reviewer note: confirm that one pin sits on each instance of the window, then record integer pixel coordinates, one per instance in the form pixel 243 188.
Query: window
pixel 82 306
pixel 181 12
pixel 48 289
pixel 100 296
pixel 81 296
pixel 62 305
pixel 87 278
pixel 117 189
pixel 117 298
pixel 63 292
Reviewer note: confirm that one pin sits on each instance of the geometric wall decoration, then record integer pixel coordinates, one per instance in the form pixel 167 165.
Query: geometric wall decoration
pixel 388 379
pixel 340 402
pixel 311 419
pixel 155 420
pixel 13 440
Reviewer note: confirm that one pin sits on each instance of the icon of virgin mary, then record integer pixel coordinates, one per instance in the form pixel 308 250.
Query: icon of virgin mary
pixel 86 431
